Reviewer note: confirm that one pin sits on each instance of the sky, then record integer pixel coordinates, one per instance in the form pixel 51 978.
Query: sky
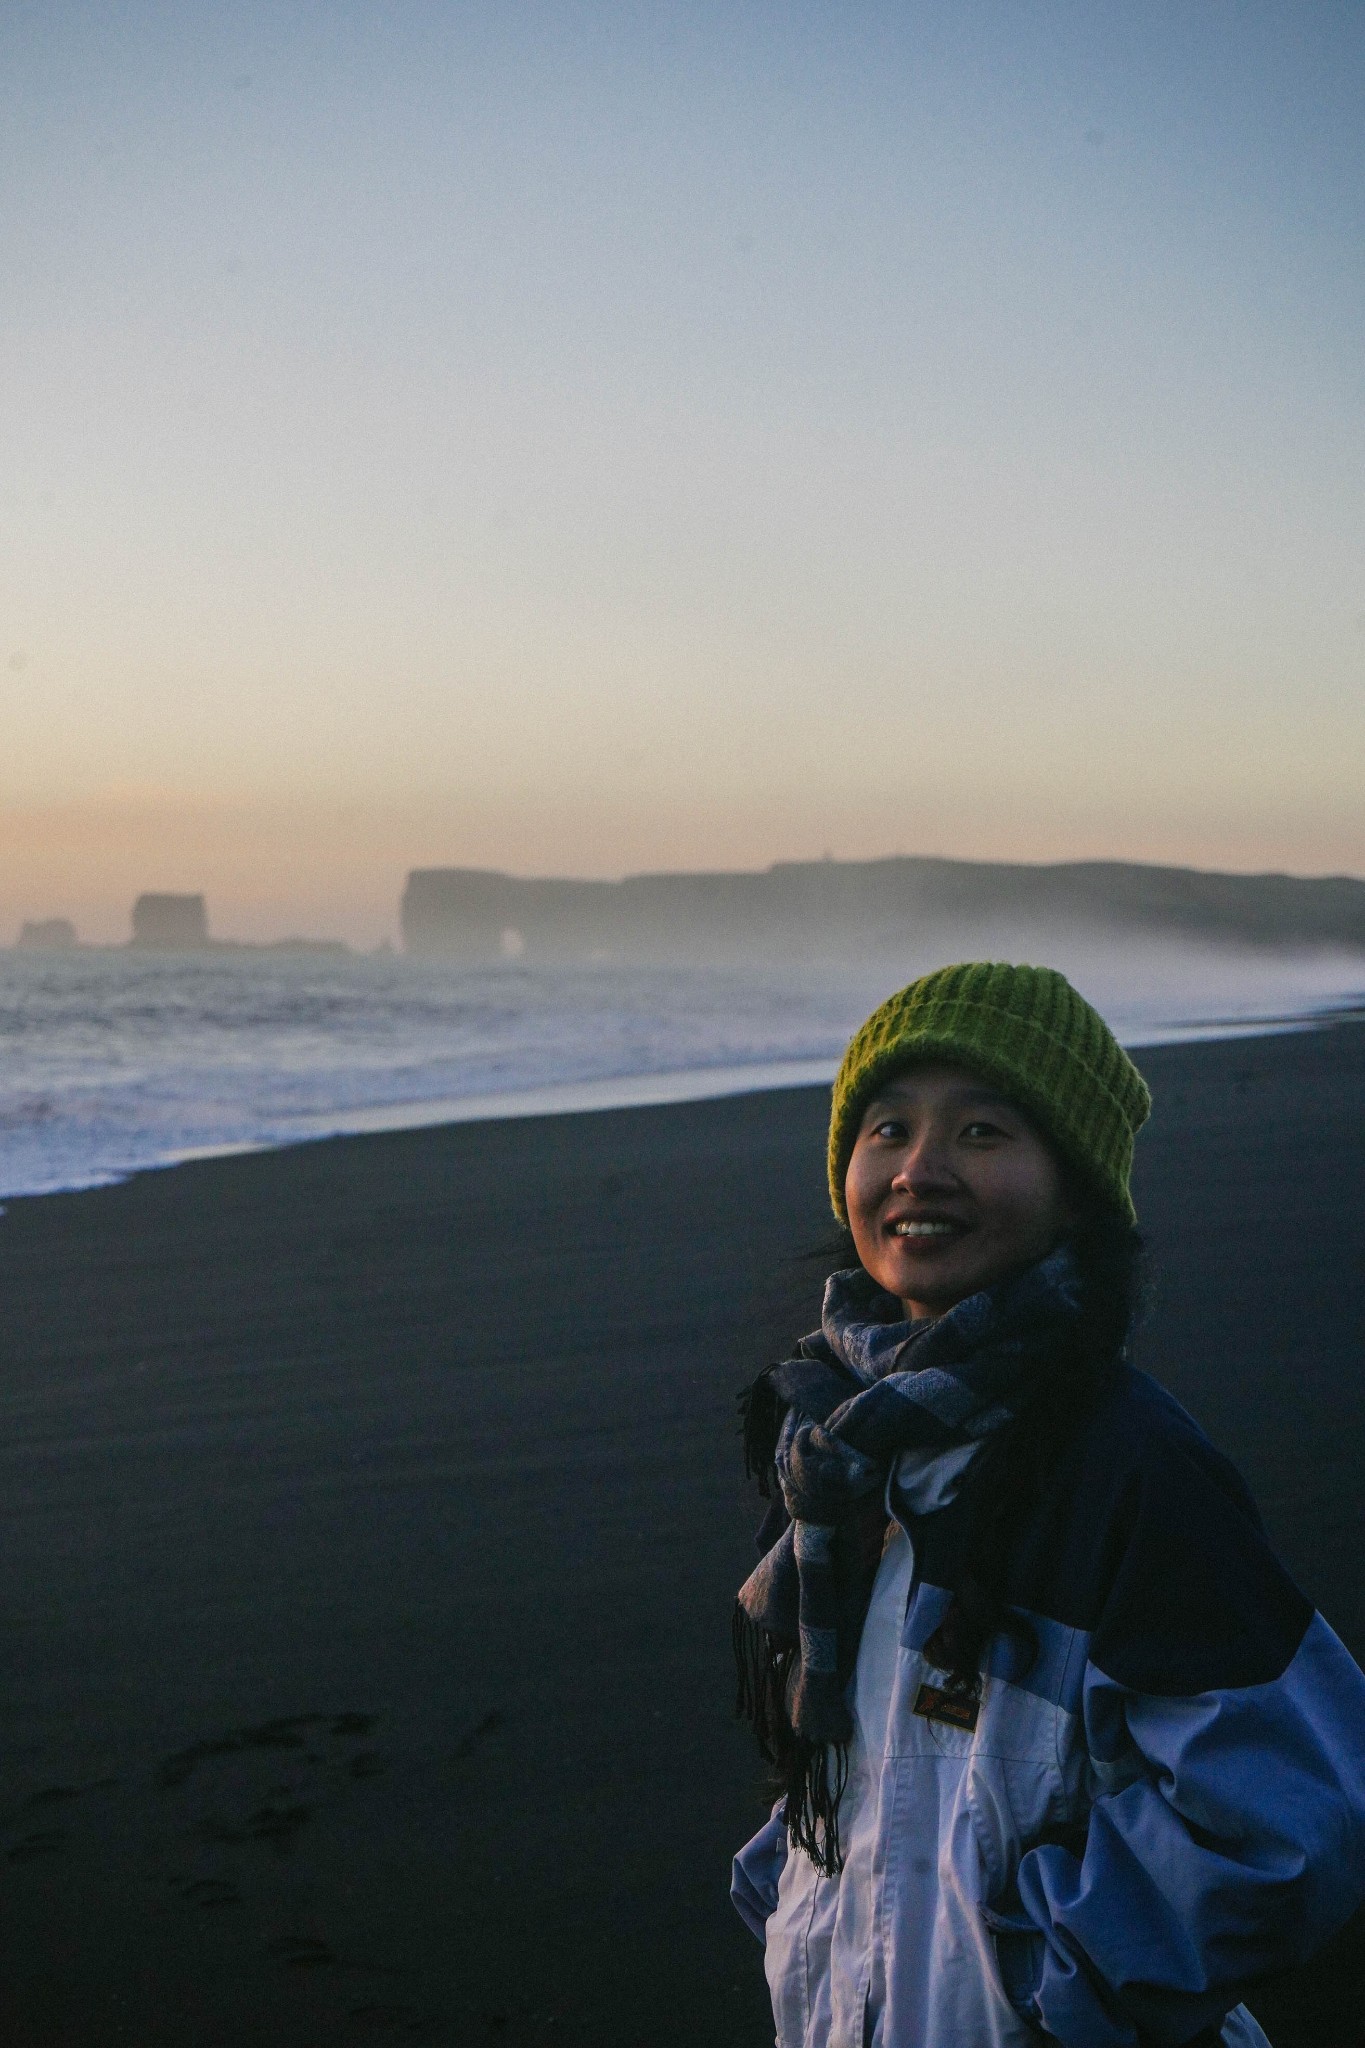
pixel 588 438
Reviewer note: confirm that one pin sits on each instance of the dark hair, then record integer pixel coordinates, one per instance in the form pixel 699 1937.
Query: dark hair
pixel 1015 1470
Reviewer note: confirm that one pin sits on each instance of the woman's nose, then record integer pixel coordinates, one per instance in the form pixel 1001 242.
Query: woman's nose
pixel 924 1167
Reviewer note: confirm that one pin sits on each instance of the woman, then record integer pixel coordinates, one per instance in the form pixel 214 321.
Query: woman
pixel 1063 1752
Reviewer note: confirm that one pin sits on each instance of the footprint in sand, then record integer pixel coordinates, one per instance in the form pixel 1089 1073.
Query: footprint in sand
pixel 297 1732
pixel 44 1842
pixel 39 1842
pixel 300 1752
pixel 301 1952
pixel 390 2019
pixel 480 1732
pixel 59 1795
pixel 275 1822
pixel 210 1891
pixel 352 1724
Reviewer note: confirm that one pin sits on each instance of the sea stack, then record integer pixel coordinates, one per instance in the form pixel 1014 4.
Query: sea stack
pixel 47 935
pixel 171 924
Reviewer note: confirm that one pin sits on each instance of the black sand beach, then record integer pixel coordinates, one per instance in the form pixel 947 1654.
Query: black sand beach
pixel 372 1512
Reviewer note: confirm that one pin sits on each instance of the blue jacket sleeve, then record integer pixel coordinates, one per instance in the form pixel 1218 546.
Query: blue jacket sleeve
pixel 1238 1850
pixel 1226 1727
pixel 756 1871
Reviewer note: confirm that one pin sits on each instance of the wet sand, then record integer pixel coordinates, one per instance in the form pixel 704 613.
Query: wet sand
pixel 371 1515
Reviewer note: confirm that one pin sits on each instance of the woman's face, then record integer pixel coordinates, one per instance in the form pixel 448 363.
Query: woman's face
pixel 949 1188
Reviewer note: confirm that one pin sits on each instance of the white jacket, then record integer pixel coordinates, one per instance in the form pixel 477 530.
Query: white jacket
pixel 1214 1834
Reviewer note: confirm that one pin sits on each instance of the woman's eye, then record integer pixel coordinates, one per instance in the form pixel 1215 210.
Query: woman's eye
pixel 981 1129
pixel 888 1129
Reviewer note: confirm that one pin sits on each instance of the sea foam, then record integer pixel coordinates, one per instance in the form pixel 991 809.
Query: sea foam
pixel 114 1061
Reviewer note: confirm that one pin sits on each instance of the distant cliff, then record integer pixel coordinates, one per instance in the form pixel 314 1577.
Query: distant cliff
pixel 801 909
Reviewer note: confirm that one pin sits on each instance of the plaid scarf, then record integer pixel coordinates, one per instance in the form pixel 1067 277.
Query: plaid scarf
pixel 859 1392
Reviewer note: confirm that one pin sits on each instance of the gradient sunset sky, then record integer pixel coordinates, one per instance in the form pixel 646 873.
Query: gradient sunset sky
pixel 582 439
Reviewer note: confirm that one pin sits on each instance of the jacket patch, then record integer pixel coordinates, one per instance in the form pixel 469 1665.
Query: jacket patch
pixel 959 1707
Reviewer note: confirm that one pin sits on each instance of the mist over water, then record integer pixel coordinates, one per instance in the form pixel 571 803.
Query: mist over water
pixel 114 1061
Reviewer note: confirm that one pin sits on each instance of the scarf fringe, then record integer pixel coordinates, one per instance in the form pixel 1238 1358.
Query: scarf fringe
pixel 812 1775
pixel 761 1421
pixel 813 1817
pixel 763 1672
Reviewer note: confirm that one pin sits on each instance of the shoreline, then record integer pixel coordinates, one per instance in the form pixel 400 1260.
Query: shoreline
pixel 632 1091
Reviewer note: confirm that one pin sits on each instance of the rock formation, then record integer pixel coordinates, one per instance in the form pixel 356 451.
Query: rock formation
pixel 47 935
pixel 833 909
pixel 171 924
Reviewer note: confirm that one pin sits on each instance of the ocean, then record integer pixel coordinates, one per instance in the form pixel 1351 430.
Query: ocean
pixel 114 1061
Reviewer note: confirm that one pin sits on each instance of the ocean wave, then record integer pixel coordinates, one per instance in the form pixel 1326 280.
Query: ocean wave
pixel 115 1061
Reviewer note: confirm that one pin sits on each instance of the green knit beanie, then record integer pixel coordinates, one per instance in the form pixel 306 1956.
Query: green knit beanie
pixel 1025 1029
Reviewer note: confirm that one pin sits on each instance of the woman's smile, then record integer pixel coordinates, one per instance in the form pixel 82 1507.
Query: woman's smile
pixel 909 1226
